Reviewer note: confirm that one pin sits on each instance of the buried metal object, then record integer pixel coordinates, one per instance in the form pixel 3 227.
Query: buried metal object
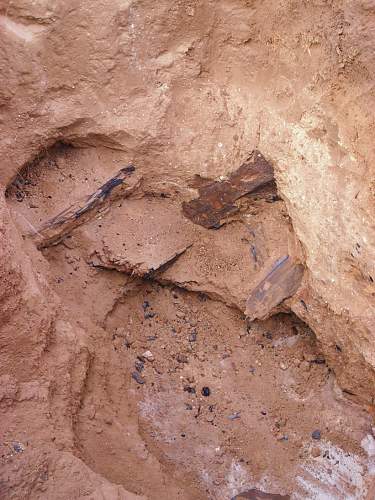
pixel 217 198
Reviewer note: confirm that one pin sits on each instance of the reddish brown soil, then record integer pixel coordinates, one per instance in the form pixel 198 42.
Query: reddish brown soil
pixel 167 390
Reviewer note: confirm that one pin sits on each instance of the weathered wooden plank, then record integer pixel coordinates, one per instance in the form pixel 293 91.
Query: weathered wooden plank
pixel 281 282
pixel 52 231
pixel 217 198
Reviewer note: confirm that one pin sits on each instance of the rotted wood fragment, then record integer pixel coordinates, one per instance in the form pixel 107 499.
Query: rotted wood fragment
pixel 282 281
pixel 217 198
pixel 54 230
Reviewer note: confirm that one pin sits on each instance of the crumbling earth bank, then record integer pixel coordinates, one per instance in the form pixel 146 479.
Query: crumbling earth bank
pixel 182 89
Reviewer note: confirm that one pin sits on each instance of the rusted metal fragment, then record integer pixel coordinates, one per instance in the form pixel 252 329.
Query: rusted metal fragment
pixel 281 282
pixel 217 198
pixel 54 230
pixel 255 494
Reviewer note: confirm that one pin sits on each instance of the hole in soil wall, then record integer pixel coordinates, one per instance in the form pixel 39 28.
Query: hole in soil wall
pixel 182 393
pixel 29 174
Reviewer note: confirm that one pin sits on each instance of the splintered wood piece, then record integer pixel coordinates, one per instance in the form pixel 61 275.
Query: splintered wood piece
pixel 281 282
pixel 52 231
pixel 217 198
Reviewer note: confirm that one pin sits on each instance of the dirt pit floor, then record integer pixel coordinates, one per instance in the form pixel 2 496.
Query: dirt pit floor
pixel 183 397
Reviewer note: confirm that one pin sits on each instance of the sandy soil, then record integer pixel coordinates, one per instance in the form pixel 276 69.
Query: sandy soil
pixel 176 393
pixel 196 338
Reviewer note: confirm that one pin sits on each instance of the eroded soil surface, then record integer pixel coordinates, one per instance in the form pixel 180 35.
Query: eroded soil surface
pixel 178 395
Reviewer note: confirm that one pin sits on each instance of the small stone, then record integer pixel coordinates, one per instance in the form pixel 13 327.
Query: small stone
pixel 189 389
pixel 193 337
pixel 263 412
pixel 139 365
pixel 180 314
pixel 148 355
pixel 316 434
pixel 18 447
pixel 193 322
pixel 145 305
pixel 206 391
pixel 283 366
pixel 315 452
pixel 235 416
pixel 138 377
pixel 188 406
pixel 281 437
pixel 149 315
pixel 182 358
pixel 252 370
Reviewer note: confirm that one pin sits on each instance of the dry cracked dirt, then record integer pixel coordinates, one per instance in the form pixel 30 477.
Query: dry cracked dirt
pixel 187 250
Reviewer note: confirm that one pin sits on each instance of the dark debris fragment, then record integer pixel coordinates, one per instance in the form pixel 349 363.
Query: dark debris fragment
pixel 206 391
pixel 316 434
pixel 217 198
pixel 138 377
